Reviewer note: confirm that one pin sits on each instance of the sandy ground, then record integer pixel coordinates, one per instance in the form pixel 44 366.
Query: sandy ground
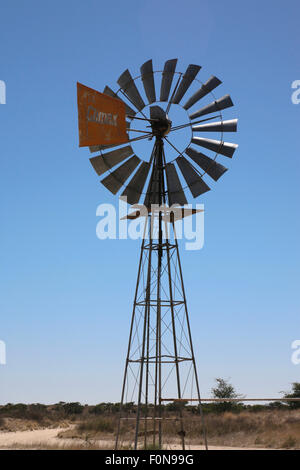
pixel 48 437
pixel 9 439
pixel 192 447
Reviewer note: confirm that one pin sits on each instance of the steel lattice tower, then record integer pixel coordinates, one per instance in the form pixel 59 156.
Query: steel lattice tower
pixel 160 357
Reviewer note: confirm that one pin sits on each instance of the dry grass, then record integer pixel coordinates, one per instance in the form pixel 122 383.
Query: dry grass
pixel 103 427
pixel 16 424
pixel 271 429
pixel 98 425
pixel 268 429
pixel 265 429
pixel 62 446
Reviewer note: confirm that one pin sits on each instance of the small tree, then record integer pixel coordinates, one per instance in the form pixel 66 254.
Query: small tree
pixel 224 389
pixel 74 408
pixel 294 394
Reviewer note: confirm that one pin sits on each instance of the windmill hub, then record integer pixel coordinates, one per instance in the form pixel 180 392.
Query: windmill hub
pixel 161 127
pixel 160 123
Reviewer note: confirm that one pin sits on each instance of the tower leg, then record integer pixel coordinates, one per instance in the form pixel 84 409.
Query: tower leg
pixel 191 342
pixel 182 432
pixel 142 359
pixel 133 318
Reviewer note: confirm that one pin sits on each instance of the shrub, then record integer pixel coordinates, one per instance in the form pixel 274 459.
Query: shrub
pixel 72 408
pixel 289 442
pixel 97 409
pixel 97 425
pixel 294 394
pixel 15 411
pixel 225 390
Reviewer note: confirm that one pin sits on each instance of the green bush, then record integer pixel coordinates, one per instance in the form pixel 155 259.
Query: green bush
pixel 294 394
pixel 72 408
pixel 224 390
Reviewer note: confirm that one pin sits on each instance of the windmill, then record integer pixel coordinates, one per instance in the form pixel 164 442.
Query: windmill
pixel 160 361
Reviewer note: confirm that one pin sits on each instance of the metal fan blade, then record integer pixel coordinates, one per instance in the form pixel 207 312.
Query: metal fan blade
pixel 220 126
pixel 175 192
pixel 167 78
pixel 214 169
pixel 186 80
pixel 206 88
pixel 218 146
pixel 135 186
pixel 103 163
pixel 108 91
pixel 194 181
pixel 222 103
pixel 156 112
pixel 117 178
pixel 97 148
pixel 128 86
pixel 148 81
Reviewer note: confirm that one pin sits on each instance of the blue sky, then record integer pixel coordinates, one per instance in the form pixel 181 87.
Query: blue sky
pixel 65 295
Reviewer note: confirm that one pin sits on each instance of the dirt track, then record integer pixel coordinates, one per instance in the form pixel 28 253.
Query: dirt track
pixel 48 436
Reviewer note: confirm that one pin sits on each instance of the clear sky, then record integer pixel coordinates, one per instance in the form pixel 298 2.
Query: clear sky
pixel 66 296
